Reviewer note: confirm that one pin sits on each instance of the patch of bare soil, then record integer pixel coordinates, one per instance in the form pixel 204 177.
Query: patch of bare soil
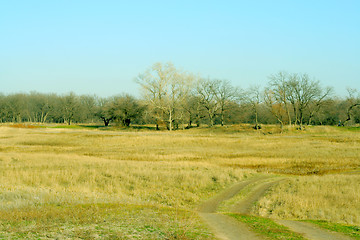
pixel 225 227
pixel 244 206
pixel 228 228
pixel 311 231
pixel 212 204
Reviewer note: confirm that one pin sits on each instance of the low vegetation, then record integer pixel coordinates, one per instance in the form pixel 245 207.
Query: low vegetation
pixel 350 230
pixel 99 221
pixel 332 197
pixel 267 228
pixel 143 184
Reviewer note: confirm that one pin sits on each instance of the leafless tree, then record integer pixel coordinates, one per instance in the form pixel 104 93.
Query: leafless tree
pixel 279 88
pixel 70 105
pixel 225 94
pixel 275 105
pixel 254 98
pixel 319 102
pixel 104 110
pixel 353 101
pixel 165 88
pixel 126 108
pixel 302 92
pixel 207 91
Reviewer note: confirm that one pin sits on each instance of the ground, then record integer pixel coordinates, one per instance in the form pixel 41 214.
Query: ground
pixel 87 182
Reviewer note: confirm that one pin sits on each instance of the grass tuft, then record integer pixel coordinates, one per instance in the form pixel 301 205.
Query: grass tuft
pixel 267 227
pixel 350 230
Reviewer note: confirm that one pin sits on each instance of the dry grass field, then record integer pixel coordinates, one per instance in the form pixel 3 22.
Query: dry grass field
pixel 144 184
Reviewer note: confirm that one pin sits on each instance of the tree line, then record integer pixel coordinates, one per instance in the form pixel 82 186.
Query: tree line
pixel 172 99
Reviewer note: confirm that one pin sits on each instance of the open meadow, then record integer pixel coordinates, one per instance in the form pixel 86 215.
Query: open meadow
pixel 95 183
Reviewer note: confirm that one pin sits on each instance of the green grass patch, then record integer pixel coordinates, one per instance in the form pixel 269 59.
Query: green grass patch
pixel 353 129
pixel 101 221
pixel 67 126
pixel 350 230
pixel 266 227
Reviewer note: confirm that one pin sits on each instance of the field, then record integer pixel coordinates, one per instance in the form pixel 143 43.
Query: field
pixel 94 183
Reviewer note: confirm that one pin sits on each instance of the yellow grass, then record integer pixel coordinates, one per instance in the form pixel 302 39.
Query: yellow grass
pixel 41 168
pixel 334 198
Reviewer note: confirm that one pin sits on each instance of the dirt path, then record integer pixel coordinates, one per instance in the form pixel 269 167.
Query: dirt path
pixel 212 204
pixel 244 206
pixel 311 231
pixel 228 228
pixel 225 227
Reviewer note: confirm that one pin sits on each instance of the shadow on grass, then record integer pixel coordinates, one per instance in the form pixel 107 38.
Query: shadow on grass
pixel 93 126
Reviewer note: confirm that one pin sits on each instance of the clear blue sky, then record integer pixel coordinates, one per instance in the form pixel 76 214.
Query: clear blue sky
pixel 99 47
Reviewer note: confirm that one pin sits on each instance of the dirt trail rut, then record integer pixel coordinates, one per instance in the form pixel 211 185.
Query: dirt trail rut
pixel 212 204
pixel 244 206
pixel 228 228
pixel 311 231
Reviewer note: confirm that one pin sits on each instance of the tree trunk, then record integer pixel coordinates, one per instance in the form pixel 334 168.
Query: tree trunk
pixel 211 118
pixel 301 120
pixel 106 122
pixel 349 112
pixel 256 120
pixel 222 118
pixel 170 121
pixel 127 122
pixel 310 117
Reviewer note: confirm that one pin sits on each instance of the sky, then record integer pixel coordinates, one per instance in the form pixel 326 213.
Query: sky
pixel 99 47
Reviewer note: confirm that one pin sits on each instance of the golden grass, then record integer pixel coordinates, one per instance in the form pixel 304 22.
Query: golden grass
pixel 46 167
pixel 42 178
pixel 101 221
pixel 333 198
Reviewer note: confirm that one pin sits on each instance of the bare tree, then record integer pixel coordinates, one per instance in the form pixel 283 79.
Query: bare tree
pixel 353 101
pixel 225 94
pixel 126 108
pixel 280 91
pixel 42 106
pixel 70 105
pixel 165 88
pixel 275 106
pixel 87 108
pixel 104 110
pixel 304 91
pixel 254 98
pixel 207 94
pixel 319 102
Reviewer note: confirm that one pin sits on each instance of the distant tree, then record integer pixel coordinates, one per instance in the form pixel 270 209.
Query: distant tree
pixel 88 108
pixel 353 101
pixel 275 105
pixel 225 94
pixel 3 109
pixel 207 92
pixel 39 107
pixel 254 97
pixel 193 110
pixel 302 92
pixel 299 91
pixel 318 102
pixel 126 108
pixel 104 110
pixel 69 107
pixel 330 112
pixel 16 105
pixel 280 91
pixel 165 89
